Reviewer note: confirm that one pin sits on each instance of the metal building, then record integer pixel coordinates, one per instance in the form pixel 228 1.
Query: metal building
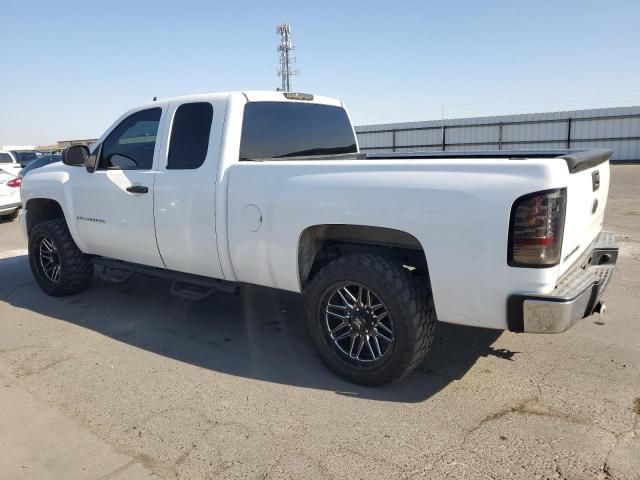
pixel 615 128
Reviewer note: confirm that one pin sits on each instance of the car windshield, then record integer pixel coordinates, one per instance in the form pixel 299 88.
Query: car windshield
pixel 47 159
pixel 22 157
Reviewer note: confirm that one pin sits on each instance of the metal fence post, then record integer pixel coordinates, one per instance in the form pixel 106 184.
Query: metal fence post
pixel 393 140
pixel 569 133
pixel 444 137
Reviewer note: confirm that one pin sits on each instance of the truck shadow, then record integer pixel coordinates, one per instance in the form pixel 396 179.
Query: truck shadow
pixel 257 334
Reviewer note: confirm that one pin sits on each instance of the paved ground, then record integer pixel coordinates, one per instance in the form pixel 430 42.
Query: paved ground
pixel 125 381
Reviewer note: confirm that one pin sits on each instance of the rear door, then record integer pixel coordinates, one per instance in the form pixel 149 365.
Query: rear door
pixel 185 187
pixel 114 203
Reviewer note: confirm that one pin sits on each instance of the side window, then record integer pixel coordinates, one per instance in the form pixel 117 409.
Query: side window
pixel 190 135
pixel 5 158
pixel 131 144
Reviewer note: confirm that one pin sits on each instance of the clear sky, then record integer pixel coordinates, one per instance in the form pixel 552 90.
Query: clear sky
pixel 69 68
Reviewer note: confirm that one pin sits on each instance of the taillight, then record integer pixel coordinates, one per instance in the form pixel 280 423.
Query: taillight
pixel 536 228
pixel 15 183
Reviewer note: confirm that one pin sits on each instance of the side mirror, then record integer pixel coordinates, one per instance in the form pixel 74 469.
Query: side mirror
pixel 75 155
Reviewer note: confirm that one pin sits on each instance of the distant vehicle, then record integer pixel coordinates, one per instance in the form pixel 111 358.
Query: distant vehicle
pixel 9 195
pixel 269 188
pixel 40 162
pixel 9 164
pixel 23 157
pixel 15 160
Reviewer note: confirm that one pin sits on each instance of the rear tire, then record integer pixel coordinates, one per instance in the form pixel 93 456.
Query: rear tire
pixel 57 264
pixel 394 320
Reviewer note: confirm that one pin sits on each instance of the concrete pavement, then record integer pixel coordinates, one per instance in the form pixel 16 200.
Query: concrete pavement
pixel 39 442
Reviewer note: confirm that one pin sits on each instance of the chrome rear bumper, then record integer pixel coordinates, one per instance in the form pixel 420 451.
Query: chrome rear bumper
pixel 577 295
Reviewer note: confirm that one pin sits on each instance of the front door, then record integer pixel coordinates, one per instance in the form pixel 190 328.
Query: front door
pixel 114 203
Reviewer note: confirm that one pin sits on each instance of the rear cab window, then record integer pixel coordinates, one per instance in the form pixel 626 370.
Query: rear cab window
pixel 293 129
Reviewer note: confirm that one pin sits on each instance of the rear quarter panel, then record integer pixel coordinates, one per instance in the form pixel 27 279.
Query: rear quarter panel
pixel 457 209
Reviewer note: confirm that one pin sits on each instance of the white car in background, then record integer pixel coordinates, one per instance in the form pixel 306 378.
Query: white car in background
pixel 10 201
pixel 10 162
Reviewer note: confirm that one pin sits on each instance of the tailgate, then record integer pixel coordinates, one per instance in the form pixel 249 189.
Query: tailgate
pixel 587 191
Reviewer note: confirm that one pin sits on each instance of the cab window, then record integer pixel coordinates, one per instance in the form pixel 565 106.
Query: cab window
pixel 295 129
pixel 131 144
pixel 190 136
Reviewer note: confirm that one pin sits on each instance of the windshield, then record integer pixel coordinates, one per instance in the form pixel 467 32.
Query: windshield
pixel 288 129
pixel 22 157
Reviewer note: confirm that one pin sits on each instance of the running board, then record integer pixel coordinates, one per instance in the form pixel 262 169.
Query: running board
pixel 115 275
pixel 185 285
pixel 189 291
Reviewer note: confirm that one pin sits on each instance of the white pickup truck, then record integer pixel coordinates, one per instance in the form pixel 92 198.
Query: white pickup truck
pixel 269 188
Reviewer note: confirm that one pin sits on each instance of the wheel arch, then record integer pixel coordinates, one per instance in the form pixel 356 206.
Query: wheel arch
pixel 320 244
pixel 41 209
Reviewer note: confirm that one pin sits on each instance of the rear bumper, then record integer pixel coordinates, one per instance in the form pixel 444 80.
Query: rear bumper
pixel 576 296
pixel 8 208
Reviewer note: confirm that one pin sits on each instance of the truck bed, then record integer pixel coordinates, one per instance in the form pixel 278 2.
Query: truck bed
pixel 576 159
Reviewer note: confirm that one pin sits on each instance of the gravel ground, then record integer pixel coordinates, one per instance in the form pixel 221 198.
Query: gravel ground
pixel 228 387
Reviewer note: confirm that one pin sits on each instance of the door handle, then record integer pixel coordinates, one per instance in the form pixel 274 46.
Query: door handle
pixel 137 189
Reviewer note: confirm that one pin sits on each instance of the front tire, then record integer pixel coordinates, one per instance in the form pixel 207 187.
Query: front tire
pixel 370 321
pixel 57 264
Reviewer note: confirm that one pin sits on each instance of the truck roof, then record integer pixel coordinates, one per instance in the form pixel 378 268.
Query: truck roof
pixel 252 96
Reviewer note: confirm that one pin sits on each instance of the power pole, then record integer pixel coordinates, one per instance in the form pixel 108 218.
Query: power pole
pixel 285 71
